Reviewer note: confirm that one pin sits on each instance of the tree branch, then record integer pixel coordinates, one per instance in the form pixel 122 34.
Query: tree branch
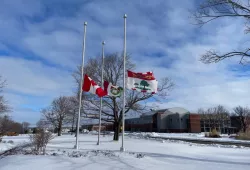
pixel 214 57
pixel 214 9
pixel 113 73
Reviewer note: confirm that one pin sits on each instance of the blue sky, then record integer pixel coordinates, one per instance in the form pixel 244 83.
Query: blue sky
pixel 41 43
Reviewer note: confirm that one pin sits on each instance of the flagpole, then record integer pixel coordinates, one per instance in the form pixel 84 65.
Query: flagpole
pixel 81 84
pixel 100 112
pixel 124 79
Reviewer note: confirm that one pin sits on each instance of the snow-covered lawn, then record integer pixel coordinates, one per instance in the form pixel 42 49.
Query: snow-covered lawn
pixel 158 155
pixel 197 136
pixel 9 142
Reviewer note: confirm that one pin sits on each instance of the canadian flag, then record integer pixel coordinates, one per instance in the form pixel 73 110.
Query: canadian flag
pixel 90 86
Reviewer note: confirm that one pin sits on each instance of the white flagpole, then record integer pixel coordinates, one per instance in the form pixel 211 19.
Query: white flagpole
pixel 100 112
pixel 80 94
pixel 124 88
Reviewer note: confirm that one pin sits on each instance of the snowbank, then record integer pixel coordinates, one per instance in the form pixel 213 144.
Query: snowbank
pixel 158 155
pixel 143 134
pixel 196 136
pixel 9 142
pixel 91 153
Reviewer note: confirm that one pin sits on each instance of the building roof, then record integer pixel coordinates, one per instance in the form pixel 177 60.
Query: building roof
pixel 178 110
pixel 172 110
pixel 153 112
pixel 135 118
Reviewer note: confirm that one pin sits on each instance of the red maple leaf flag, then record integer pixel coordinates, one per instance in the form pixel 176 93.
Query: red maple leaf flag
pixel 142 82
pixel 90 86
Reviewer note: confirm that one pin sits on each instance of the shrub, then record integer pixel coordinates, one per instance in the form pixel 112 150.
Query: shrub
pixel 34 131
pixel 40 141
pixel 207 134
pixel 11 134
pixel 243 136
pixel 10 141
pixel 212 134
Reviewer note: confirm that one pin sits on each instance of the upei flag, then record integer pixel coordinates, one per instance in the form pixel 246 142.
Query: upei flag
pixel 90 86
pixel 112 90
pixel 142 82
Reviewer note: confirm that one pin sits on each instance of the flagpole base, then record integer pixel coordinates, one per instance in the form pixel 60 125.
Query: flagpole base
pixel 122 149
pixel 98 143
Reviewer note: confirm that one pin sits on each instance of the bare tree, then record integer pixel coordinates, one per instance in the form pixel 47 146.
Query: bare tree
pixel 43 124
pixel 214 9
pixel 8 125
pixel 57 114
pixel 215 116
pixel 204 117
pixel 5 124
pixel 112 106
pixel 25 126
pixel 221 116
pixel 16 127
pixel 4 107
pixel 243 117
pixel 208 117
pixel 73 112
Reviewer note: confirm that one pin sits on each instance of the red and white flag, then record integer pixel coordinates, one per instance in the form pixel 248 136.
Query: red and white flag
pixel 143 82
pixel 90 86
pixel 112 90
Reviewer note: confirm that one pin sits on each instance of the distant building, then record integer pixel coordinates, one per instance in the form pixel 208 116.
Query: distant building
pixel 174 120
pixel 165 120
pixel 236 123
pixel 194 123
pixel 95 127
pixel 223 125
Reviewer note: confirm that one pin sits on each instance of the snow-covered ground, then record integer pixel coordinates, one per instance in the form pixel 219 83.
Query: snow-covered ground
pixel 9 142
pixel 140 154
pixel 197 136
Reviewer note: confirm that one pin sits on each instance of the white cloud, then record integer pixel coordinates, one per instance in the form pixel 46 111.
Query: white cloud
pixel 31 84
pixel 200 85
pixel 26 114
pixel 159 38
pixel 19 8
pixel 60 47
pixel 34 78
pixel 229 94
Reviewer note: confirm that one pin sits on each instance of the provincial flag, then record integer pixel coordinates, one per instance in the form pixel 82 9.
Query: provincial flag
pixel 90 86
pixel 112 90
pixel 142 82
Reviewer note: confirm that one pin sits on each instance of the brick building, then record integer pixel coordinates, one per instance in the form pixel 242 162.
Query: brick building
pixel 165 120
pixel 175 120
pixel 194 123
pixel 225 124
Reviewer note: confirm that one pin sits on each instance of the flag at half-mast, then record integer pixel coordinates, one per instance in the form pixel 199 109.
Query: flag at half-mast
pixel 90 86
pixel 112 90
pixel 142 82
